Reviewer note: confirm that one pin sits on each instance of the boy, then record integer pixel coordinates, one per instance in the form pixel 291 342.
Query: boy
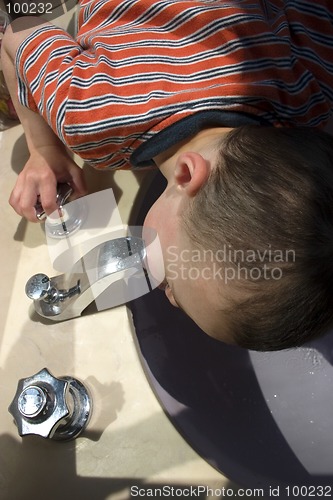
pixel 225 98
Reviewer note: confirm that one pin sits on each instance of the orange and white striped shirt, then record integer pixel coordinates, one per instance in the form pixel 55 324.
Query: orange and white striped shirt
pixel 138 67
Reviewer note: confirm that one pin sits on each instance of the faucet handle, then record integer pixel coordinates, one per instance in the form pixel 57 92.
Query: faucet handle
pixel 41 288
pixel 38 287
pixel 54 408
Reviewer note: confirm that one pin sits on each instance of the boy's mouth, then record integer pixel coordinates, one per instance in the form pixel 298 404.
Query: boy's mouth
pixel 164 285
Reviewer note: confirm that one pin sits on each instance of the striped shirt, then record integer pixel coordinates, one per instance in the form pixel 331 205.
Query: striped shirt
pixel 137 67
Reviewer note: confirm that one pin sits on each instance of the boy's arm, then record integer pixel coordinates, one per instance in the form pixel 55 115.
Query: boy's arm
pixel 49 162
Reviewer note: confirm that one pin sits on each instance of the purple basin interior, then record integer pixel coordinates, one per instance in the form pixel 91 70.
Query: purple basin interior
pixel 262 419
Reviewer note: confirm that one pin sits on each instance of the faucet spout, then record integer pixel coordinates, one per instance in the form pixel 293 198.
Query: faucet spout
pixel 67 295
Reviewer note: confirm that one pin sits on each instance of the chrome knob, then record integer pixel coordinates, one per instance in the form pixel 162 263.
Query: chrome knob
pixel 38 287
pixel 54 408
pixel 41 287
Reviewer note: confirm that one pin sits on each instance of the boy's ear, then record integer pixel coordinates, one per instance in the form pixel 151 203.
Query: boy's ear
pixel 191 172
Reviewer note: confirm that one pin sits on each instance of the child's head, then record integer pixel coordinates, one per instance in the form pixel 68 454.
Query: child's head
pixel 257 244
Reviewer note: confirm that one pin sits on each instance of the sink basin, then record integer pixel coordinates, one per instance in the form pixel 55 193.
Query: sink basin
pixel 262 419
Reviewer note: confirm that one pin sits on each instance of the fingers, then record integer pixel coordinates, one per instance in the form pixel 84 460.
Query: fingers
pixel 38 183
pixel 77 182
pixel 26 194
pixel 48 196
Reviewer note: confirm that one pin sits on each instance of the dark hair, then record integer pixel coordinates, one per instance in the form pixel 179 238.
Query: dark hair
pixel 272 193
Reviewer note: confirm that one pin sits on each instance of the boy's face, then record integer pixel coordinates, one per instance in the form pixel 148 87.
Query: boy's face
pixel 188 284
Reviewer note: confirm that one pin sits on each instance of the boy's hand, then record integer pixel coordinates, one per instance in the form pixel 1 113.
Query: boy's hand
pixel 46 167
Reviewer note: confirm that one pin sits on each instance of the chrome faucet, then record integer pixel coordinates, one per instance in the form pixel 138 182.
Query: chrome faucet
pixel 67 295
